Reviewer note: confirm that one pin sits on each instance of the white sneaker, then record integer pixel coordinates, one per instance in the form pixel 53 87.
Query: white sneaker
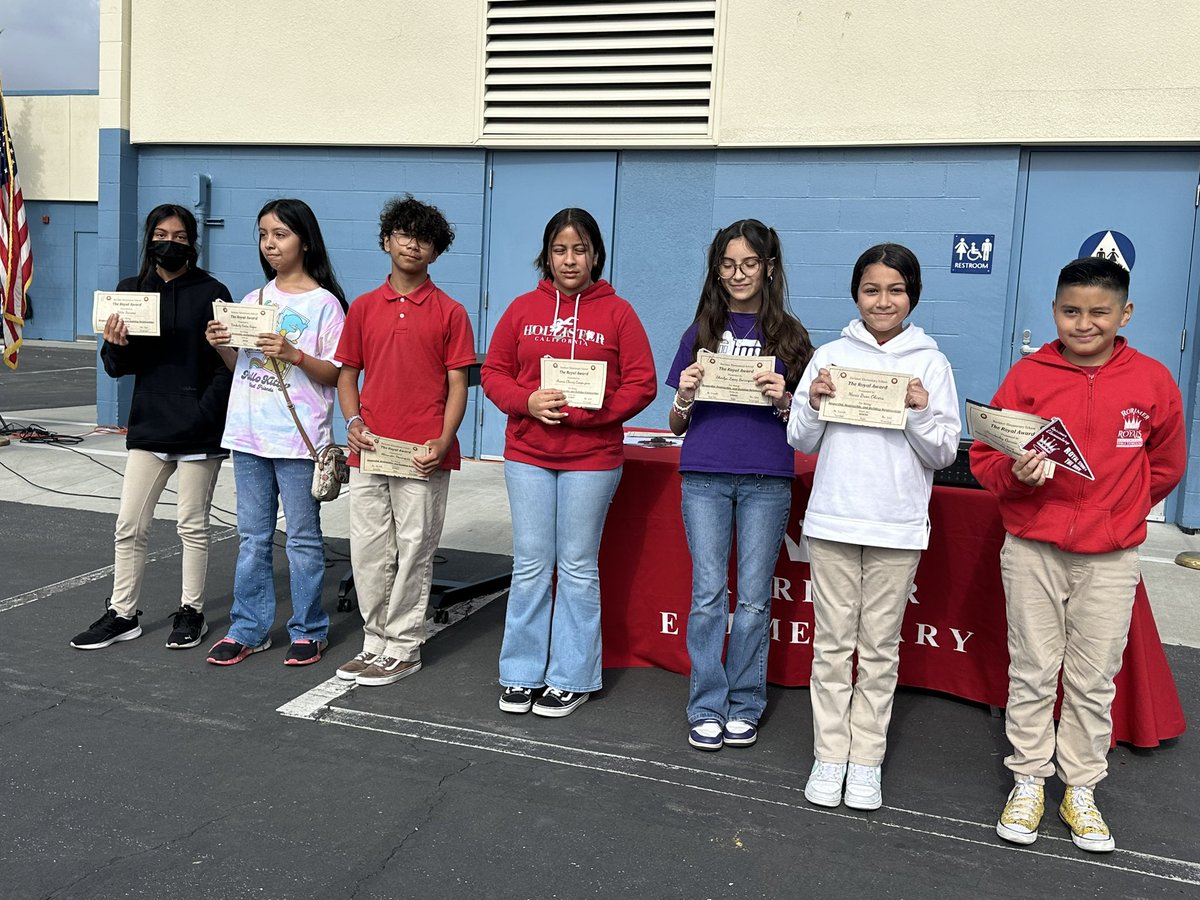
pixel 864 789
pixel 824 786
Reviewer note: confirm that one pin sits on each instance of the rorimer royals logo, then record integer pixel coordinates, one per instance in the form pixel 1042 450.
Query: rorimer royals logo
pixel 1130 434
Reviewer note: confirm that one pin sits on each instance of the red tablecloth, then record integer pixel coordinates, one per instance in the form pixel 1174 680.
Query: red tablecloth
pixel 954 629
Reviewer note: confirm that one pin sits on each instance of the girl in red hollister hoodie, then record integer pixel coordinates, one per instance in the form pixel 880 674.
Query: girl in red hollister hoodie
pixel 1070 559
pixel 562 462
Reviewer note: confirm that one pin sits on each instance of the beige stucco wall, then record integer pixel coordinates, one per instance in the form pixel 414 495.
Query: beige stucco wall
pixel 912 71
pixel 789 72
pixel 307 72
pixel 58 145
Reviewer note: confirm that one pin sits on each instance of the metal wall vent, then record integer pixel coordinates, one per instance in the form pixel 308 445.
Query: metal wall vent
pixel 635 68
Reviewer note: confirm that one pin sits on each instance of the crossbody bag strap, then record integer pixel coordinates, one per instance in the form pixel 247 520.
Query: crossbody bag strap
pixel 287 398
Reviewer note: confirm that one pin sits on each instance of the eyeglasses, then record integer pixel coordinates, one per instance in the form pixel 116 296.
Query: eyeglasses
pixel 748 267
pixel 405 238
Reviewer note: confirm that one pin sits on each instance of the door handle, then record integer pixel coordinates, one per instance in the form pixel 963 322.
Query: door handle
pixel 1026 347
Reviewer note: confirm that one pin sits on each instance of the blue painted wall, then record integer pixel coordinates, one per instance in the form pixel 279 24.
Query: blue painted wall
pixel 54 283
pixel 346 189
pixel 828 206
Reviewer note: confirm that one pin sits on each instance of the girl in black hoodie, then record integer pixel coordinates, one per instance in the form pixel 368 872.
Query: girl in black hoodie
pixel 180 393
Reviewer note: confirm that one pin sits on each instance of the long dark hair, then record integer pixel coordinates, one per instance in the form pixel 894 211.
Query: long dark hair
pixel 156 216
pixel 584 223
pixel 297 216
pixel 779 331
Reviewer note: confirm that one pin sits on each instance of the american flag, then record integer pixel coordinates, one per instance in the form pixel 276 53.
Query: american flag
pixel 16 258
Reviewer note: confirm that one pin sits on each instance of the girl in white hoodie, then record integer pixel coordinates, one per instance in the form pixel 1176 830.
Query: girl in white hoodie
pixel 867 521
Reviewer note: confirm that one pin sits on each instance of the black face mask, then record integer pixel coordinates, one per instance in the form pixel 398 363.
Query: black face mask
pixel 170 255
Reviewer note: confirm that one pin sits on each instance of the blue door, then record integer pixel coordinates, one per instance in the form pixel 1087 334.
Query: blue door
pixel 1150 198
pixel 86 265
pixel 525 190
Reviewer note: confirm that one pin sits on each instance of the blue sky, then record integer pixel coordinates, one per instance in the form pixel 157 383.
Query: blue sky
pixel 50 45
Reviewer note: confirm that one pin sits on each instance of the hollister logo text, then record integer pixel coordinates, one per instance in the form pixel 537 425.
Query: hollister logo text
pixel 564 330
pixel 1130 434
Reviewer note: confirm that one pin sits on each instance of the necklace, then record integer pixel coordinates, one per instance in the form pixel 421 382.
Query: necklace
pixel 749 331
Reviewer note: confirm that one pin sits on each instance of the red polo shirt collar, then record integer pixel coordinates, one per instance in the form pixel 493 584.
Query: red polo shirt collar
pixel 418 296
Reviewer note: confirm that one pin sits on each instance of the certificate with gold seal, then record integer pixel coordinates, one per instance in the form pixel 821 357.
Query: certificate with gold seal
pixel 866 397
pixel 137 310
pixel 246 321
pixel 391 457
pixel 582 380
pixel 730 379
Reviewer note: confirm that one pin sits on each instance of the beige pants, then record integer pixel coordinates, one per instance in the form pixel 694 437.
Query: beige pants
pixel 145 477
pixel 859 595
pixel 1068 612
pixel 395 526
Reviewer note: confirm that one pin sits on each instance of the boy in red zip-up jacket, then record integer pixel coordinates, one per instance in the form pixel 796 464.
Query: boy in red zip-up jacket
pixel 1070 560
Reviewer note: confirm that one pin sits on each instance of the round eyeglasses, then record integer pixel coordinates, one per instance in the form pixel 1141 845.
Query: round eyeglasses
pixel 748 267
pixel 405 238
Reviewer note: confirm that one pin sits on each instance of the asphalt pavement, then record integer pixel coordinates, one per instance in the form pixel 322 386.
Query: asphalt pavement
pixel 143 772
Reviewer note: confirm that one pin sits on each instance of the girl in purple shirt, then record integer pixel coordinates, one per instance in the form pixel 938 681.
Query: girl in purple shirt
pixel 737 470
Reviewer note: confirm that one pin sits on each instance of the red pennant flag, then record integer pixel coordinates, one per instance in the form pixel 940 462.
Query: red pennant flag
pixel 1059 447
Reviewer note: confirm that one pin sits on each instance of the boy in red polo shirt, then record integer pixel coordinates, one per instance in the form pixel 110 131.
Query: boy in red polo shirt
pixel 413 345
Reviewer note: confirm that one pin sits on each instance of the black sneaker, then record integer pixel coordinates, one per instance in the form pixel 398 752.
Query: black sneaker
pixel 555 703
pixel 108 629
pixel 516 700
pixel 187 629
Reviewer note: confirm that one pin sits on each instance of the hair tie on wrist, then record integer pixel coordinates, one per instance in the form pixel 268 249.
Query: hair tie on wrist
pixel 300 361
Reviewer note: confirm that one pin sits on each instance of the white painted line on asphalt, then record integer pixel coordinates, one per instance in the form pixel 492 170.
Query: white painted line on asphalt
pixel 27 373
pixel 68 584
pixel 312 704
pixel 1132 862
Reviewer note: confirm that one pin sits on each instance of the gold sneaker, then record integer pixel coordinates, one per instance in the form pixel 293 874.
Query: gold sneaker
pixel 1088 830
pixel 1022 813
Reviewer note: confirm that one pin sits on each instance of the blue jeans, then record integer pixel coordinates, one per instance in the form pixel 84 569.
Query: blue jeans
pixel 261 482
pixel 557 517
pixel 712 504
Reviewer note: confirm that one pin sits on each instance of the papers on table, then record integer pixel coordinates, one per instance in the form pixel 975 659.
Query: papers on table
pixel 139 311
pixel 653 439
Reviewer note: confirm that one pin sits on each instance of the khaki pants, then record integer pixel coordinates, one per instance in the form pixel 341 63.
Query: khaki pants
pixel 859 596
pixel 395 526
pixel 1068 612
pixel 145 477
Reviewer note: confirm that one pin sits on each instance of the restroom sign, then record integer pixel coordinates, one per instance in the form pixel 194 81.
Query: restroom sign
pixel 1110 245
pixel 972 254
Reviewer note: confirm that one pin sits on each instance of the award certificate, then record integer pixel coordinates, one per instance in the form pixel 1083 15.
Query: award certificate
pixel 866 397
pixel 246 321
pixel 138 311
pixel 730 379
pixel 582 380
pixel 1005 429
pixel 391 457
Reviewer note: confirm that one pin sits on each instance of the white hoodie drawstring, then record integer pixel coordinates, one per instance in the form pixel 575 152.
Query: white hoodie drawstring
pixel 574 321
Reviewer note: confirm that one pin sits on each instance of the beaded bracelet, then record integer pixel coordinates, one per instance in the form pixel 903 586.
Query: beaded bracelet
pixel 682 411
pixel 785 413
